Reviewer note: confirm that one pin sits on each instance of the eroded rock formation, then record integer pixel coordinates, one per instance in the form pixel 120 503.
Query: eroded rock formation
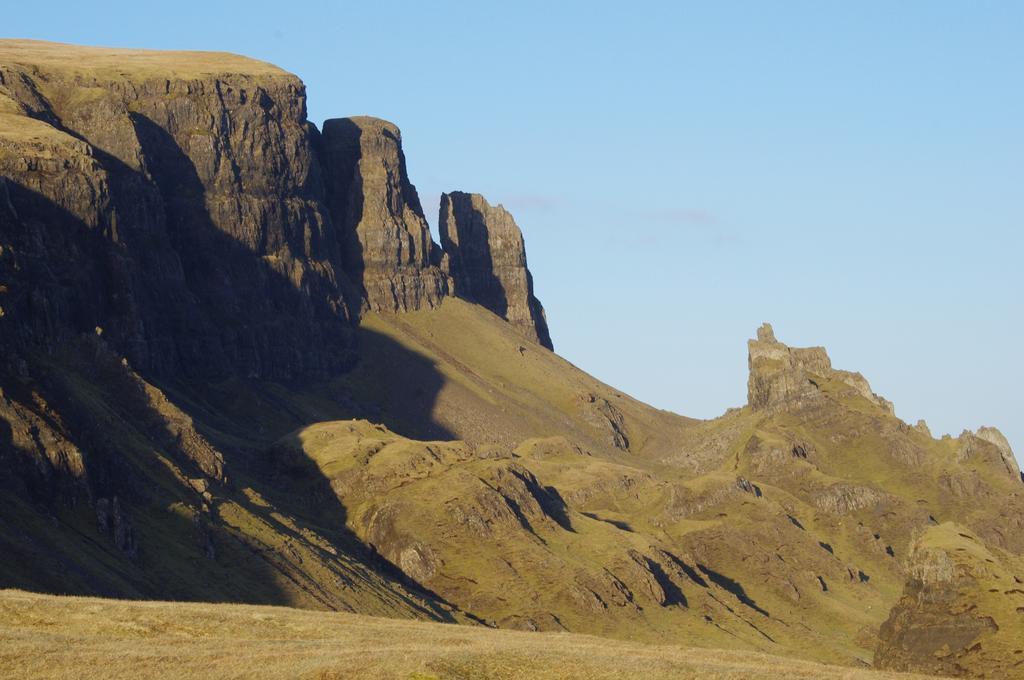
pixel 487 260
pixel 991 446
pixel 386 243
pixel 783 377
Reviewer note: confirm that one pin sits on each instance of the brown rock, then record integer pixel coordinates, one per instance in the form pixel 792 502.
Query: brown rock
pixel 386 243
pixel 783 377
pixel 180 208
pixel 487 260
pixel 944 624
pixel 604 415
pixel 988 444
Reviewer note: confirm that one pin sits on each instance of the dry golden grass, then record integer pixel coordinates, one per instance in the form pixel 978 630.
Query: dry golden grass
pixel 48 141
pixel 46 636
pixel 129 63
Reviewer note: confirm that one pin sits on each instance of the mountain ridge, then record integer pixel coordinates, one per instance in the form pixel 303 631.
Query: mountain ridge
pixel 237 367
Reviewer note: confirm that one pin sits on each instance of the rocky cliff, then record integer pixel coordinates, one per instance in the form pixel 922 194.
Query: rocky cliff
pixel 386 242
pixel 164 221
pixel 176 204
pixel 487 259
pixel 191 212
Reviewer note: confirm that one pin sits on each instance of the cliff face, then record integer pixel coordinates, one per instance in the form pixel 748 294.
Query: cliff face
pixel 386 243
pixel 179 209
pixel 177 244
pixel 163 219
pixel 191 212
pixel 487 260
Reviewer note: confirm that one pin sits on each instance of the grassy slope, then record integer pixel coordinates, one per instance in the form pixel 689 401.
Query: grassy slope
pixel 822 573
pixel 474 378
pixel 50 637
pixel 575 549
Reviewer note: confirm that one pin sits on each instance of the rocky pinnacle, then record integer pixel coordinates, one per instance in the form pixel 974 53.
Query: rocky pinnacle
pixel 783 377
pixel 386 244
pixel 487 261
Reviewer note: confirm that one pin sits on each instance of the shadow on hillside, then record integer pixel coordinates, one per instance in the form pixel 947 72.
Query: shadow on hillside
pixel 248 317
pixel 395 386
pixel 734 587
pixel 226 314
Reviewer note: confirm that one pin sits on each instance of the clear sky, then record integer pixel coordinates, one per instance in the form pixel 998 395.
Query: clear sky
pixel 852 172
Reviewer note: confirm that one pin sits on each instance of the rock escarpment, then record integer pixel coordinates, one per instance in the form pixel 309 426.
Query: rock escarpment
pixel 783 377
pixel 164 220
pixel 193 213
pixel 487 260
pixel 180 209
pixel 386 243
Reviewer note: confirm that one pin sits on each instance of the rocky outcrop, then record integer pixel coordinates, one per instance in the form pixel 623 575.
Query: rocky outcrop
pixel 989 445
pixel 843 499
pixel 111 519
pixel 164 221
pixel 193 213
pixel 783 377
pixel 960 610
pixel 386 243
pixel 179 208
pixel 606 417
pixel 487 260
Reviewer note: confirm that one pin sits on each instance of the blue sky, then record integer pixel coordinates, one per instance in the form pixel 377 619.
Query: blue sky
pixel 852 172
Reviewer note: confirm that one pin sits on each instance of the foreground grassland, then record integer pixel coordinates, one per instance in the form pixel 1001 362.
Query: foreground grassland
pixel 45 636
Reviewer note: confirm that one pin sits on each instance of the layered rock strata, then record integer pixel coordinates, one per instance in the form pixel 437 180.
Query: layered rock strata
pixel 180 209
pixel 783 377
pixel 487 260
pixel 386 243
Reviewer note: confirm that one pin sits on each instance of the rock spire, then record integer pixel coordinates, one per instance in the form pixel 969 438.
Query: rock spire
pixel 487 260
pixel 385 240
pixel 783 377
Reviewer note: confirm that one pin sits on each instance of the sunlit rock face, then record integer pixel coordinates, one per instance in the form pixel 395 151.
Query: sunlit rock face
pixel 783 377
